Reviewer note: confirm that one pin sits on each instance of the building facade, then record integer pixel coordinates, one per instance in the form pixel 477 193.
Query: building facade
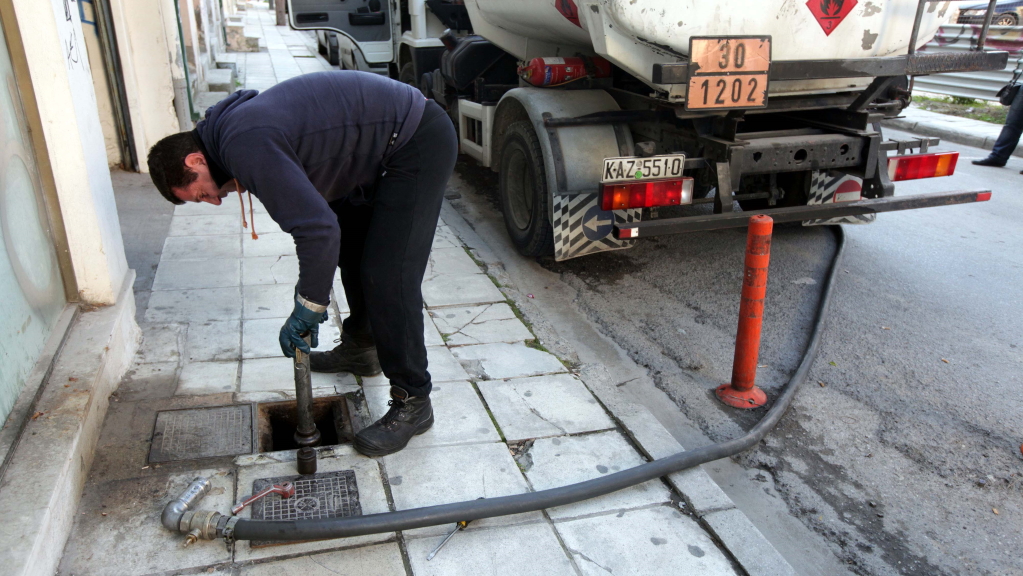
pixel 86 85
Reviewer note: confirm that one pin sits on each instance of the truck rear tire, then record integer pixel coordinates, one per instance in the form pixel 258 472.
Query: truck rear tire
pixel 525 199
pixel 407 75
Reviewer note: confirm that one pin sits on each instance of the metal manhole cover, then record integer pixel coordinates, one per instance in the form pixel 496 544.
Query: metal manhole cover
pixel 202 433
pixel 322 495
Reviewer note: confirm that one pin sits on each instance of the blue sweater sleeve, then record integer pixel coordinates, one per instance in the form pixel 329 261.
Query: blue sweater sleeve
pixel 270 168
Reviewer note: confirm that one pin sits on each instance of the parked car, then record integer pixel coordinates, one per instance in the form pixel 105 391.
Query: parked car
pixel 1006 13
pixel 326 43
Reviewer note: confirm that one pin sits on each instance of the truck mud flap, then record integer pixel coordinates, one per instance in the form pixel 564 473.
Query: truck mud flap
pixel 581 227
pixel 831 186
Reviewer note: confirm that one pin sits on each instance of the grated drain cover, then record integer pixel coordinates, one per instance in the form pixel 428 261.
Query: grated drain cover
pixel 202 433
pixel 322 495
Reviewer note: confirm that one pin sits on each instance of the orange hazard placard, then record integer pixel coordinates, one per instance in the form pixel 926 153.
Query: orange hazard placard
pixel 722 91
pixel 728 72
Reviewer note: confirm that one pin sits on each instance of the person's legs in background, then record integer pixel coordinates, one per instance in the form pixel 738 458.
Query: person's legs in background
pixel 406 208
pixel 356 352
pixel 1008 139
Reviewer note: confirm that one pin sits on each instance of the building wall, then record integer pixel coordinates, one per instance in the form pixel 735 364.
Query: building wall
pixel 182 105
pixel 193 47
pixel 32 295
pixel 147 63
pixel 61 78
pixel 104 103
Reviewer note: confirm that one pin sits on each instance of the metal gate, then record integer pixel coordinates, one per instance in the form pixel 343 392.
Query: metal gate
pixel 962 38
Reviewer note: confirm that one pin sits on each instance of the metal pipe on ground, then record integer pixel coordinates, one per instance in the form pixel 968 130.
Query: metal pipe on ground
pixel 172 512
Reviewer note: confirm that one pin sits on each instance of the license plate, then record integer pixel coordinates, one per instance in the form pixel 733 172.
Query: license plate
pixel 631 169
pixel 728 72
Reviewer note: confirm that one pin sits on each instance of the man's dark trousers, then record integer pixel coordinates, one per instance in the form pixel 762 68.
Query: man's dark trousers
pixel 385 249
pixel 1009 137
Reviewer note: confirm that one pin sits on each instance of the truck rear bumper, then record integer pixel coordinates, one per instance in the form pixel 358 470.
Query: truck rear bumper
pixel 796 213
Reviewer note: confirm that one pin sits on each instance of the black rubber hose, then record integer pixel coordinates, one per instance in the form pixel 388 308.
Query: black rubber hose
pixel 531 501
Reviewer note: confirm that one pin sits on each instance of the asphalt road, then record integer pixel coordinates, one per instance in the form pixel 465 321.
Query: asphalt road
pixel 902 453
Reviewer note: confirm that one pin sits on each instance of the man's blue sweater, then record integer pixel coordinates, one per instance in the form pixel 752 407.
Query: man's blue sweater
pixel 305 142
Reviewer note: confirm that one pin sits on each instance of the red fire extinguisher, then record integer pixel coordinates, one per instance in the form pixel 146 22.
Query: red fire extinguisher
pixel 557 71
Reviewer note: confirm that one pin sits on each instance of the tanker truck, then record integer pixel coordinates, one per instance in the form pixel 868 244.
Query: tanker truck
pixel 609 121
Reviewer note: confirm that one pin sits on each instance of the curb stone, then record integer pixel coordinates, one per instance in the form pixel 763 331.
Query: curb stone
pixel 755 554
pixel 747 544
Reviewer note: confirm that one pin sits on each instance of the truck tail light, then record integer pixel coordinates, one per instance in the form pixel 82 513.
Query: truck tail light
pixel 914 166
pixel 647 194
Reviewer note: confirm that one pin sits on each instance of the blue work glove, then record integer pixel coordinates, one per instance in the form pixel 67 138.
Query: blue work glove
pixel 304 319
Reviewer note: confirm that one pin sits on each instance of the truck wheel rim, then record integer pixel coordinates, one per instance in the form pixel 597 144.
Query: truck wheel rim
pixel 519 189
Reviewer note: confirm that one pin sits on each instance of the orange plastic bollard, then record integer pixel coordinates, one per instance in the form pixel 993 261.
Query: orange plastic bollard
pixel 743 392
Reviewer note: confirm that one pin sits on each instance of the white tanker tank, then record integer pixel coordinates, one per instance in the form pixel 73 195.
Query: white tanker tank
pixel 751 106
pixel 636 34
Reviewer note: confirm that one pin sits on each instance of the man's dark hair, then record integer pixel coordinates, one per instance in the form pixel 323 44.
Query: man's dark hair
pixel 167 164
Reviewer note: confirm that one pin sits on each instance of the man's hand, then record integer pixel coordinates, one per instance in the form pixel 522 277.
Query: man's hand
pixel 304 319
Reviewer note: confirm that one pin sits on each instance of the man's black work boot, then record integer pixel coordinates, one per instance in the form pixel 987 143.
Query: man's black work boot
pixel 350 355
pixel 990 161
pixel 408 416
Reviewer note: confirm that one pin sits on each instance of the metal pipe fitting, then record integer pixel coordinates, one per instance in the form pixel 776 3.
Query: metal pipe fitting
pixel 199 524
pixel 175 509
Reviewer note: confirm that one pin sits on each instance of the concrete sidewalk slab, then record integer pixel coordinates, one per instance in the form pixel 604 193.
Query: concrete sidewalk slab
pixel 451 320
pixel 635 542
pixel 160 342
pixel 379 559
pixel 208 378
pixel 445 238
pixel 270 270
pixel 268 300
pixel 187 248
pixel 442 474
pixel 508 331
pixel 443 365
pixel 450 261
pixel 223 223
pixel 208 304
pixel 111 514
pixel 460 290
pixel 550 405
pixel 498 361
pixel 487 324
pixel 192 274
pixel 279 244
pixel 213 340
pixel 571 459
pixel 508 551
